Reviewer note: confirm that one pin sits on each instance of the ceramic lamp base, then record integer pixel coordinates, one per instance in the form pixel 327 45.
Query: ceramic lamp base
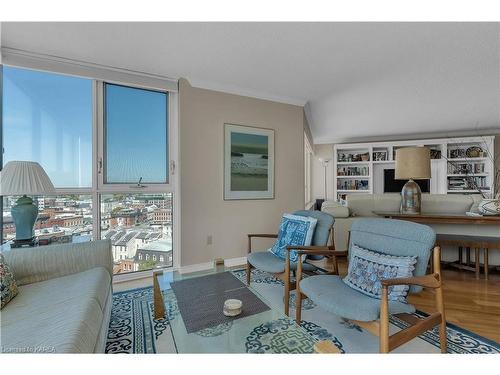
pixel 411 198
pixel 24 214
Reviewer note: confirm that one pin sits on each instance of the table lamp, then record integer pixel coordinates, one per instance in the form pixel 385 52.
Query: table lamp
pixel 24 178
pixel 412 163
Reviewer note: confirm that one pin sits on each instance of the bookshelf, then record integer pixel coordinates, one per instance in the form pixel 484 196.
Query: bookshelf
pixel 359 167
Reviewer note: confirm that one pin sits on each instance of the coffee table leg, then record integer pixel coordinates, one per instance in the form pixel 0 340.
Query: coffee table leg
pixel 476 259
pixel 159 304
pixel 486 262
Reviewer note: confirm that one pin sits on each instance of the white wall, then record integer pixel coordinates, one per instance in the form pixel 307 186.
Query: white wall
pixel 204 212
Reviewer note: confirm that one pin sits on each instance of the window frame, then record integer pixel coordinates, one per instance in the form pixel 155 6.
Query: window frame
pixel 104 187
pixel 42 64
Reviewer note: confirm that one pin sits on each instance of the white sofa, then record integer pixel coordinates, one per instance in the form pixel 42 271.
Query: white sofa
pixel 64 300
pixel 363 205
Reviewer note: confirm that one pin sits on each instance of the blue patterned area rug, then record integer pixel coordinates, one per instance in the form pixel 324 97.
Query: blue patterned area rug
pixel 134 330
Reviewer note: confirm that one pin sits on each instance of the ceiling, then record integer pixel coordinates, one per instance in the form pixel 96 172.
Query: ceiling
pixel 356 80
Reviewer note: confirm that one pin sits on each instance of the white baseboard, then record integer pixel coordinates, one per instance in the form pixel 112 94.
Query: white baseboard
pixel 232 262
pixel 196 267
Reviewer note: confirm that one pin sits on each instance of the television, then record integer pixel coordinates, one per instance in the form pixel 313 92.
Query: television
pixel 391 185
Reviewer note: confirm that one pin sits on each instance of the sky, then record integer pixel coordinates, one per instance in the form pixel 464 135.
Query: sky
pixel 48 118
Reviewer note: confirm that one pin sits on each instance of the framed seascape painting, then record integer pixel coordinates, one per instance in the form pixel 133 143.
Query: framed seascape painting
pixel 248 162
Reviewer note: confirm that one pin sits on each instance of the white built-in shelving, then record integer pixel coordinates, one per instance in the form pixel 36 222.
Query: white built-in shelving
pixel 359 167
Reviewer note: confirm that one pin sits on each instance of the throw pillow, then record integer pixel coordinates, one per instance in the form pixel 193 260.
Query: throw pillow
pixel 8 285
pixel 367 268
pixel 294 231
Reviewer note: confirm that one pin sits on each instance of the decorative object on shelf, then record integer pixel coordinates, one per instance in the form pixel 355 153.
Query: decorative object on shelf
pixel 489 207
pixel 475 176
pixel 412 163
pixel 24 178
pixel 248 162
pixel 365 156
pixel 325 165
pixel 435 154
pixel 379 155
pixel 232 307
pixel 474 152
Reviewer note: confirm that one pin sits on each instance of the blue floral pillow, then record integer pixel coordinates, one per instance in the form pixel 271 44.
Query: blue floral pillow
pixel 367 268
pixel 294 231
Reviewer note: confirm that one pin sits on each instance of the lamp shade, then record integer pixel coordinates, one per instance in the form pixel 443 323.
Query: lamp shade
pixel 24 178
pixel 413 163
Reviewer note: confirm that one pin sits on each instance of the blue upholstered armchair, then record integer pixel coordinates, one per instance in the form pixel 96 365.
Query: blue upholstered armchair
pixel 281 268
pixel 391 237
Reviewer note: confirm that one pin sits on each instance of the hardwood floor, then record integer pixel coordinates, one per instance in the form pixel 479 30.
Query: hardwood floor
pixel 469 303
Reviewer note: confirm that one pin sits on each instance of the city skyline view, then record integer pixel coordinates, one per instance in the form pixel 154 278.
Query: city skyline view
pixel 139 226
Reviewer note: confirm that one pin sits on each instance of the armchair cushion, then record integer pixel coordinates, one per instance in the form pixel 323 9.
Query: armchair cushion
pixel 294 230
pixel 367 268
pixel 333 295
pixel 268 262
pixel 396 237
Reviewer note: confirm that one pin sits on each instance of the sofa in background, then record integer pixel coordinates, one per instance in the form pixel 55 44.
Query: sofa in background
pixel 363 205
pixel 64 300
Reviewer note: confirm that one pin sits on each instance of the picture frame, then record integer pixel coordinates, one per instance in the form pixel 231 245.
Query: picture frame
pixel 248 162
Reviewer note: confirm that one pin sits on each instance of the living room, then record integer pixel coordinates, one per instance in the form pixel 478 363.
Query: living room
pixel 176 188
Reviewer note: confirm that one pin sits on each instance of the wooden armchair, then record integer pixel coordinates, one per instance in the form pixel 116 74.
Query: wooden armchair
pixel 283 268
pixel 392 237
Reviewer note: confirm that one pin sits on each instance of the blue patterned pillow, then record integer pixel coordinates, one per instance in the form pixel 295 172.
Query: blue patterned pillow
pixel 367 268
pixel 294 230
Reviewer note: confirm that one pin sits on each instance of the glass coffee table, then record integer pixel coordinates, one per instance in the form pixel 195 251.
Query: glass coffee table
pixel 270 331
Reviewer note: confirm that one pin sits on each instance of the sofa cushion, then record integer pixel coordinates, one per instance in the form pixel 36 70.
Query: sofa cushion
pixel 61 315
pixel 35 264
pixel 450 204
pixel 367 269
pixel 62 326
pixel 333 295
pixel 93 283
pixel 337 210
pixel 8 286
pixel 294 230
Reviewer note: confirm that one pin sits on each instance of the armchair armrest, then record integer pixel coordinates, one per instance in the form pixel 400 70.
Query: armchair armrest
pixel 428 281
pixel 263 235
pixel 317 250
pixel 258 235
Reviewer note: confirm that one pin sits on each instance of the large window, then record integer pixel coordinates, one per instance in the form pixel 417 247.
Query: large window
pixel 135 136
pixel 48 118
pixel 66 124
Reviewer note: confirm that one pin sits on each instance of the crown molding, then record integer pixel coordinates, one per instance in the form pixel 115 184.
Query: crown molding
pixel 63 65
pixel 230 89
pixel 409 136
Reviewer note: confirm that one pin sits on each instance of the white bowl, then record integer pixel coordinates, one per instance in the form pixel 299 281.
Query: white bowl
pixel 232 307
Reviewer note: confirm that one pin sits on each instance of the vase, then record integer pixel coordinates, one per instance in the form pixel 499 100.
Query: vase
pixel 489 207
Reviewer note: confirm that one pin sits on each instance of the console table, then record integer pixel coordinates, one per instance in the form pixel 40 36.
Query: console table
pixel 478 243
pixel 441 219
